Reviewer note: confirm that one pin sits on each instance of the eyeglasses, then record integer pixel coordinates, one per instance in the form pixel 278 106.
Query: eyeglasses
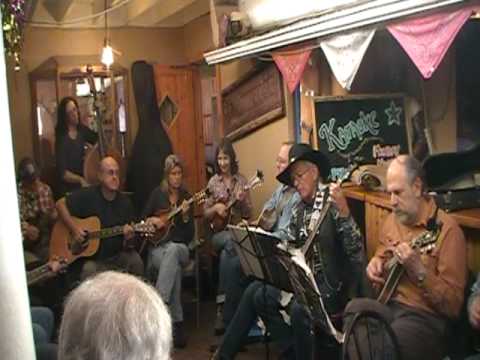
pixel 112 172
pixel 299 176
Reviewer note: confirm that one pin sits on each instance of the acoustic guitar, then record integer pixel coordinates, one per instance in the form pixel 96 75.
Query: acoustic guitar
pixel 44 272
pixel 219 223
pixel 62 244
pixel 424 243
pixel 161 235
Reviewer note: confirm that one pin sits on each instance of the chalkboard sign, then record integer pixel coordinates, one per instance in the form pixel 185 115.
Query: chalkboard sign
pixel 364 126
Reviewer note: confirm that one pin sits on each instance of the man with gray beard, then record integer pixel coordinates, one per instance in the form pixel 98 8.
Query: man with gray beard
pixel 430 292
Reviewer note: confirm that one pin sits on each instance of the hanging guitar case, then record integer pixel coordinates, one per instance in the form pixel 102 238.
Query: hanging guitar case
pixel 152 145
pixel 451 179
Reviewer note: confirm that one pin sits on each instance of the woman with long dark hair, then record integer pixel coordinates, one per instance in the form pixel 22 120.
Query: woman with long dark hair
pixel 71 140
pixel 172 254
pixel 225 187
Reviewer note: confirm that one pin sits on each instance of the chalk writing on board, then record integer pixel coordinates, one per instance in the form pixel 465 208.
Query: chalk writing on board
pixel 341 137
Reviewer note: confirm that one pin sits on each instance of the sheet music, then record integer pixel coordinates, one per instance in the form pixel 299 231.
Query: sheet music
pixel 299 259
pixel 246 252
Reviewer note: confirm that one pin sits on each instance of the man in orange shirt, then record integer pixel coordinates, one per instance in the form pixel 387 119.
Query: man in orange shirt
pixel 431 290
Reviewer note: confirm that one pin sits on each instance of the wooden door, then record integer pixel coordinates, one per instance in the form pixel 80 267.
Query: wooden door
pixel 179 102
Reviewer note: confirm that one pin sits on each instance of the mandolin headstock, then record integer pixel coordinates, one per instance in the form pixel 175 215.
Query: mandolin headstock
pixel 255 180
pixel 201 196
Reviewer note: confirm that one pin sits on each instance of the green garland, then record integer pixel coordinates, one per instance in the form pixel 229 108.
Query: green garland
pixel 13 20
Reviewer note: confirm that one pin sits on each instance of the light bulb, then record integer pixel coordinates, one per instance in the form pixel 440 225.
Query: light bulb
pixel 107 55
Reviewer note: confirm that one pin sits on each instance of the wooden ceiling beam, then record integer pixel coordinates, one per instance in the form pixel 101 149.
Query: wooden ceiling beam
pixel 57 9
pixel 153 12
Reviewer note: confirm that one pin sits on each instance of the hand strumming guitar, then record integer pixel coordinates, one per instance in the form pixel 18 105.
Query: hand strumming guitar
pixel 80 241
pixel 221 209
pixel 375 272
pixel 411 261
pixel 338 198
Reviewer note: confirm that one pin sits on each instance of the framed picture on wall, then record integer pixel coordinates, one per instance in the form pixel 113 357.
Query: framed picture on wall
pixel 253 101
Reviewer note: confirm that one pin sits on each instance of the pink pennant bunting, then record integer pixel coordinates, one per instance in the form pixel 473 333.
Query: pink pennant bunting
pixel 427 39
pixel 292 65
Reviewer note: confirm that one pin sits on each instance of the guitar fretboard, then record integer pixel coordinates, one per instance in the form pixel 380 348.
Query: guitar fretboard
pixel 38 273
pixel 106 233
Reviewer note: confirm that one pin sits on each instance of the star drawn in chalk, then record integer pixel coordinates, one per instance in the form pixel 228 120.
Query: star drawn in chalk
pixel 393 113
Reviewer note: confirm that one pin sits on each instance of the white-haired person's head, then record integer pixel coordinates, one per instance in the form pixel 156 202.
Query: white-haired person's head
pixel 115 316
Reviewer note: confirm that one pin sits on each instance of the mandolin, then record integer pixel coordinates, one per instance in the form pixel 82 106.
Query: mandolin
pixel 425 243
pixel 63 246
pixel 219 223
pixel 161 235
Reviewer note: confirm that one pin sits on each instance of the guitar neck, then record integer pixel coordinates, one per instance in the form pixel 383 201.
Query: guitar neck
pixel 38 274
pixel 178 209
pixel 106 233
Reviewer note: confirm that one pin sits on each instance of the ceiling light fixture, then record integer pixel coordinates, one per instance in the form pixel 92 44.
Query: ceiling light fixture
pixel 107 51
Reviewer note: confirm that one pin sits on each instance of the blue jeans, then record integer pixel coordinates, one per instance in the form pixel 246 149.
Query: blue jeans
pixel 223 244
pixel 42 324
pixel 169 259
pixel 264 301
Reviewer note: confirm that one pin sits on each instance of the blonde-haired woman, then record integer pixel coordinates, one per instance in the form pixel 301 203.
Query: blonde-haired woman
pixel 171 255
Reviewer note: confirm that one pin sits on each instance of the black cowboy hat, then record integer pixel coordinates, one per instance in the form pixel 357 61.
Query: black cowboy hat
pixel 306 153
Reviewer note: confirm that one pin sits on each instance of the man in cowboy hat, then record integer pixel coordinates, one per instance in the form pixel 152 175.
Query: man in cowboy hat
pixel 337 249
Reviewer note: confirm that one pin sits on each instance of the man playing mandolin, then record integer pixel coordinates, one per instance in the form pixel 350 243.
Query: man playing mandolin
pixel 431 286
pixel 112 208
pixel 171 254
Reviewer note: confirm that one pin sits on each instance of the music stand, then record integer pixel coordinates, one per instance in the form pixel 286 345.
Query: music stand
pixel 261 258
pixel 257 250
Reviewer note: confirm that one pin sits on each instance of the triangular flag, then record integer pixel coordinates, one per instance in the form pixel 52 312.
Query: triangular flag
pixel 427 39
pixel 291 64
pixel 345 53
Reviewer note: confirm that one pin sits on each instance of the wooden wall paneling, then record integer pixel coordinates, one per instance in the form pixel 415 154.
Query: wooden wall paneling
pixel 178 85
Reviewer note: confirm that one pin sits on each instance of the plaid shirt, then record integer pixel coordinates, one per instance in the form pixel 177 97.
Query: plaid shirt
pixel 34 204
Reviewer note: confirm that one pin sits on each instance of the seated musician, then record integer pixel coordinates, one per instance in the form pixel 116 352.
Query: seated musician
pixel 226 186
pixel 275 217
pixel 171 254
pixel 337 246
pixel 112 208
pixel 37 212
pixel 431 290
pixel 71 139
